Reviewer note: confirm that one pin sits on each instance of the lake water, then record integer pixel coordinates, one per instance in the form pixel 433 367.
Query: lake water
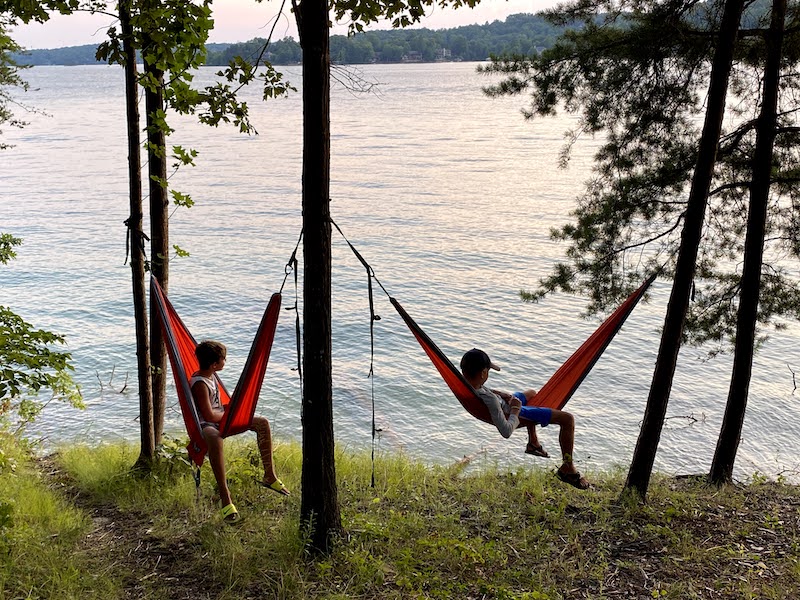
pixel 448 194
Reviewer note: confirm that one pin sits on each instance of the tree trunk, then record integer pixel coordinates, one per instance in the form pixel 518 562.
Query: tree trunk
pixel 644 455
pixel 137 238
pixel 746 319
pixel 159 234
pixel 319 506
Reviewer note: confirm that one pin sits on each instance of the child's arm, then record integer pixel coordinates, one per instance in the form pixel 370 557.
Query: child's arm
pixel 203 401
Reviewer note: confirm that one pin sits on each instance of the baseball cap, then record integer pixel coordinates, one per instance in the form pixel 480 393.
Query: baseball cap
pixel 476 360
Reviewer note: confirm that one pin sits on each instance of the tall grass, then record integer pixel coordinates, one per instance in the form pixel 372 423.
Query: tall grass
pixel 430 532
pixel 39 534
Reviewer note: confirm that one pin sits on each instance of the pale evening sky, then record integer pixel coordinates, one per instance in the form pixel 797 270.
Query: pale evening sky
pixel 241 20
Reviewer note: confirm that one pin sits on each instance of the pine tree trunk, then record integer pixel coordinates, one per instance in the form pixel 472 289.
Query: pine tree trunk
pixel 159 237
pixel 137 239
pixel 319 506
pixel 746 319
pixel 644 455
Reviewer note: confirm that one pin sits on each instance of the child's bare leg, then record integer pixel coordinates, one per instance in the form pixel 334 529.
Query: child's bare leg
pixel 264 441
pixel 533 447
pixel 217 459
pixel 566 437
pixel 533 439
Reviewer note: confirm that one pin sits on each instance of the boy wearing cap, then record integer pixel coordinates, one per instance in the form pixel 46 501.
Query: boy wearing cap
pixel 506 410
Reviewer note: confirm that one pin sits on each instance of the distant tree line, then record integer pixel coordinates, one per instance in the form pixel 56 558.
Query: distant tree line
pixel 518 34
pixel 76 55
pixel 73 55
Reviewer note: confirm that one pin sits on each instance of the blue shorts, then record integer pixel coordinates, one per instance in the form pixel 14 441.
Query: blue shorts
pixel 537 414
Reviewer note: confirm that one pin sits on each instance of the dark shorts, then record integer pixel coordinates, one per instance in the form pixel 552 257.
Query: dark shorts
pixel 204 424
pixel 537 414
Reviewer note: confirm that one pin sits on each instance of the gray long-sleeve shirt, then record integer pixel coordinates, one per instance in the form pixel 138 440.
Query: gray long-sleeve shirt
pixel 499 410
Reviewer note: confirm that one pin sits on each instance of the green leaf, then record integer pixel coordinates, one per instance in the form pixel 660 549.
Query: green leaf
pixel 183 157
pixel 7 243
pixel 180 252
pixel 180 199
pixel 160 181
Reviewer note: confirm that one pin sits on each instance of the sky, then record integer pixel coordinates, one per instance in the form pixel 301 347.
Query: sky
pixel 242 20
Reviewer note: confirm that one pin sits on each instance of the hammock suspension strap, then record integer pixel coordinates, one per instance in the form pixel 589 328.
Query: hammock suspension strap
pixel 128 236
pixel 291 267
pixel 196 476
pixel 372 318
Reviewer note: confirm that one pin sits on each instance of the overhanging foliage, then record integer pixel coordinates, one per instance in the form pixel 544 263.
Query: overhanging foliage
pixel 634 73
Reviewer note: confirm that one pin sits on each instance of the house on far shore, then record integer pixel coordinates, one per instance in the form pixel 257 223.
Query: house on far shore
pixel 443 54
pixel 412 57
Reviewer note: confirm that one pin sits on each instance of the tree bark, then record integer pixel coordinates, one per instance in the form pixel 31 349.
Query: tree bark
pixel 159 232
pixel 137 240
pixel 319 506
pixel 747 317
pixel 644 455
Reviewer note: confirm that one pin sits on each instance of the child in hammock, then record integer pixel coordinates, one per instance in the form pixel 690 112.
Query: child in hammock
pixel 506 410
pixel 211 356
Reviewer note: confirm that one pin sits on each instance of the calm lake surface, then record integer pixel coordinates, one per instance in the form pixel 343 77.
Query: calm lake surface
pixel 448 194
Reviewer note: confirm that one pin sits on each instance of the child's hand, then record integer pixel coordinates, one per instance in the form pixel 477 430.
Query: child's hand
pixel 514 402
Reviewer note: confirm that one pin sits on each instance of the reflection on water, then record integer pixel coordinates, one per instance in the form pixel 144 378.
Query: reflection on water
pixel 448 194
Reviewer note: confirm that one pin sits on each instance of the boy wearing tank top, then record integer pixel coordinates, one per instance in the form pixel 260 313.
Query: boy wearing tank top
pixel 212 355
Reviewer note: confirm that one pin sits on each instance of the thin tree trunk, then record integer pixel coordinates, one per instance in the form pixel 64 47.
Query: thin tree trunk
pixel 137 239
pixel 645 453
pixel 319 506
pixel 159 236
pixel 747 317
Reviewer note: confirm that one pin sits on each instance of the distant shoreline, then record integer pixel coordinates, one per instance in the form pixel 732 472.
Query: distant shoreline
pixel 521 34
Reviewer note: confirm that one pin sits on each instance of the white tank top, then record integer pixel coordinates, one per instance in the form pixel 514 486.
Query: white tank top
pixel 213 391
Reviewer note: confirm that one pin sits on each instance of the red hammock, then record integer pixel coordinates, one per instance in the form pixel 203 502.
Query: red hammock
pixel 559 389
pixel 239 407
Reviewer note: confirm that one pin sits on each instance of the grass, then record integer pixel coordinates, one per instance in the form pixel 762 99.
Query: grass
pixel 39 533
pixel 422 532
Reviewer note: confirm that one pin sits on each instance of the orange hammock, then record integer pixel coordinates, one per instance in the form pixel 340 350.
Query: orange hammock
pixel 560 387
pixel 239 407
